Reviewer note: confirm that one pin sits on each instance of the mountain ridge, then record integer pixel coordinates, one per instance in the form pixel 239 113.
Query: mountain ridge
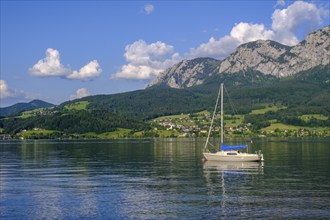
pixel 24 106
pixel 264 56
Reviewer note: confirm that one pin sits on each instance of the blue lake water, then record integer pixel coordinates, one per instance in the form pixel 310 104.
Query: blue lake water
pixel 162 179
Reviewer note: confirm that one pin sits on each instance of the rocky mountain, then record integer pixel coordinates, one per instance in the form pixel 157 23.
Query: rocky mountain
pixel 262 56
pixel 20 107
pixel 188 73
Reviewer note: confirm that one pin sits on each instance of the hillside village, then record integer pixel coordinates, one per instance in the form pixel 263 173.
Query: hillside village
pixel 197 125
pixel 184 125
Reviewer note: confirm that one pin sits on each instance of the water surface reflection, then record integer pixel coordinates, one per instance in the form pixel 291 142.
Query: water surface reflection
pixel 160 179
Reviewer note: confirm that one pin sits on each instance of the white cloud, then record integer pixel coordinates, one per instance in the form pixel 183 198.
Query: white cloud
pixel 148 9
pixel 245 32
pixel 131 71
pixel 5 92
pixel 9 96
pixel 51 66
pixel 280 3
pixel 240 33
pixel 89 71
pixel 80 93
pixel 142 52
pixel 146 60
pixel 214 48
pixel 298 16
pixel 286 24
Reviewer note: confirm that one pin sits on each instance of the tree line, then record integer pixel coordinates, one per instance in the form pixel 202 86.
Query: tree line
pixel 304 93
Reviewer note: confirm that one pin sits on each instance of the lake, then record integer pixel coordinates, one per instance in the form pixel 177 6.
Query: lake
pixel 162 179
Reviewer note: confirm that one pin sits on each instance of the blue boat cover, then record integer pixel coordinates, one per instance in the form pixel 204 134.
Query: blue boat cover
pixel 224 147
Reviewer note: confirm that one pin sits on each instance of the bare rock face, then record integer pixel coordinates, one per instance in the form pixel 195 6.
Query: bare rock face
pixel 267 57
pixel 270 57
pixel 262 56
pixel 187 73
pixel 313 51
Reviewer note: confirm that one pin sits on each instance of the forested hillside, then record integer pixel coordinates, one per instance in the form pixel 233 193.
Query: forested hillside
pixel 20 107
pixel 302 94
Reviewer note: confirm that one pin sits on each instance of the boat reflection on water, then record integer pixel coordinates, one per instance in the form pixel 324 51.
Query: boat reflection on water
pixel 226 182
pixel 235 167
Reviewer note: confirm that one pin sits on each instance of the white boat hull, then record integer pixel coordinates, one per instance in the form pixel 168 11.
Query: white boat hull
pixel 228 156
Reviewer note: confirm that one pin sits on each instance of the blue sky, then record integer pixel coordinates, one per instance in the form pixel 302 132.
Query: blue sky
pixel 61 50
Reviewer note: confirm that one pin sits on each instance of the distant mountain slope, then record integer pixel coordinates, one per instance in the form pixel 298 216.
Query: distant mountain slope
pixel 188 73
pixel 307 92
pixel 306 88
pixel 20 107
pixel 266 57
pixel 146 104
pixel 270 57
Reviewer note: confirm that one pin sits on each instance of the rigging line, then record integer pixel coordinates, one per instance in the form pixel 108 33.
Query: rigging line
pixel 230 102
pixel 235 111
pixel 211 144
pixel 214 112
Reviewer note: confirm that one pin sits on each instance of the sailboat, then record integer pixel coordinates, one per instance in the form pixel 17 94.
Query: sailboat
pixel 227 153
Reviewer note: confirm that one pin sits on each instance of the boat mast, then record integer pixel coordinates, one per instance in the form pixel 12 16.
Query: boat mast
pixel 212 120
pixel 221 114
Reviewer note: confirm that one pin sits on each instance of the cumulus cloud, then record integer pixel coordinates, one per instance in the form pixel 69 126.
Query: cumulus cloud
pixel 298 16
pixel 286 23
pixel 148 9
pixel 8 95
pixel 89 71
pixel 80 93
pixel 51 66
pixel 5 92
pixel 240 33
pixel 245 32
pixel 146 60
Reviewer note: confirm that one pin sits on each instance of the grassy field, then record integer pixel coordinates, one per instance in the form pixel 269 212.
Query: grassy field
pixel 203 113
pixel 166 133
pixel 119 133
pixel 41 133
pixel 284 127
pixel 273 108
pixel 181 116
pixel 171 117
pixel 31 113
pixel 280 126
pixel 122 133
pixel 306 118
pixel 82 105
pixel 234 122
